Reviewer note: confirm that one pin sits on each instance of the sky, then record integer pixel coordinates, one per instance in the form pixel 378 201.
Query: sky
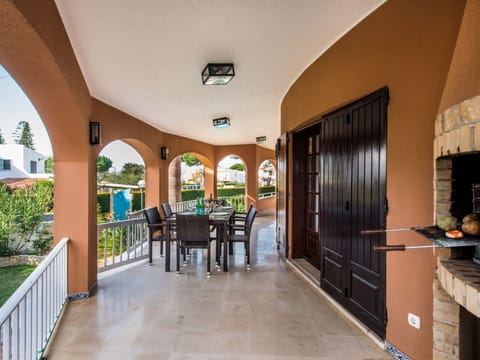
pixel 15 106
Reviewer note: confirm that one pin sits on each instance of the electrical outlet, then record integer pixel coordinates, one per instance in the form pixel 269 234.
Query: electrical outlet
pixel 414 320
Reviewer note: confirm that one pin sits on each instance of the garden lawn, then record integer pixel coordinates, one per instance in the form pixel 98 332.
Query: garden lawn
pixel 11 277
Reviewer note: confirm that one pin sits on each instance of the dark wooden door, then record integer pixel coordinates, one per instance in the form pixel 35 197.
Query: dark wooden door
pixel 312 195
pixel 353 183
pixel 282 195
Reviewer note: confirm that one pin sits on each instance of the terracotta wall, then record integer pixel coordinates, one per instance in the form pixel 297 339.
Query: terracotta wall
pixel 406 45
pixel 463 81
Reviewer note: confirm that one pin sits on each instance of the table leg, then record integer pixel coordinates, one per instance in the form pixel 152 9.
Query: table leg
pixel 225 248
pixel 167 250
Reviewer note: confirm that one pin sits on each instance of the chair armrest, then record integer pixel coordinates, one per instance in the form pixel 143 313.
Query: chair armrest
pixel 157 225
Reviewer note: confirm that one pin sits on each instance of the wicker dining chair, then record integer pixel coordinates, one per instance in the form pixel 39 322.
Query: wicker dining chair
pixel 244 237
pixel 167 209
pixel 193 232
pixel 157 230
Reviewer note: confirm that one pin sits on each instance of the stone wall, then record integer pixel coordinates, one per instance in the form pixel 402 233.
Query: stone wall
pixel 21 260
pixel 445 324
pixel 457 130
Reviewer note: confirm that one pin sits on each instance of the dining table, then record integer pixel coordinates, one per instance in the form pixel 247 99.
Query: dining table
pixel 219 216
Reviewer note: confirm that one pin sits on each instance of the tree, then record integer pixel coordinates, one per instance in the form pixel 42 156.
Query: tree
pixel 103 164
pixel 23 135
pixel 190 160
pixel 49 165
pixel 131 173
pixel 2 140
pixel 238 167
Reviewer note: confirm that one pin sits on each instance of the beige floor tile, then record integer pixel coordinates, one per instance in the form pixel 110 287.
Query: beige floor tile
pixel 267 313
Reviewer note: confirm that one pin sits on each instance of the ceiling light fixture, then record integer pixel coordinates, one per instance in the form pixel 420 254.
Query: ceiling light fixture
pixel 221 122
pixel 217 74
pixel 261 139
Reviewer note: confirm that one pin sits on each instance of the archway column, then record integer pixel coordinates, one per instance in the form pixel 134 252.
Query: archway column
pixel 75 218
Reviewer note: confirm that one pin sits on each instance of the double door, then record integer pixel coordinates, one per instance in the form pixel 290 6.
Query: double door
pixel 352 198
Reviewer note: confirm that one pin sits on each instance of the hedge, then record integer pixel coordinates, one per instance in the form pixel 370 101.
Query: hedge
pixel 103 200
pixel 136 200
pixel 238 191
pixel 192 194
pixel 266 189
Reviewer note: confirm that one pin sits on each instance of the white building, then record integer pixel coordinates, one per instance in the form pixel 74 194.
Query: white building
pixel 229 175
pixel 18 161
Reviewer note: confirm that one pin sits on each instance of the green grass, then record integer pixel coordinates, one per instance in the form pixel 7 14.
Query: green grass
pixel 11 278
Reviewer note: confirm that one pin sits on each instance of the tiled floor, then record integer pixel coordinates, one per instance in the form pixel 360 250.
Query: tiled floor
pixel 266 313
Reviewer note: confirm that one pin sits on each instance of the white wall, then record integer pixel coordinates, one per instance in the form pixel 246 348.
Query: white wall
pixel 20 158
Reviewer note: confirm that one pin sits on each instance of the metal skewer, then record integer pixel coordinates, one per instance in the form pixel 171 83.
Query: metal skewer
pixel 399 247
pixel 379 231
pixel 402 247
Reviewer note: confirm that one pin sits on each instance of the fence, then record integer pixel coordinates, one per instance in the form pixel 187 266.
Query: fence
pixel 28 318
pixel 121 242
pixel 238 202
pixel 267 195
pixel 182 206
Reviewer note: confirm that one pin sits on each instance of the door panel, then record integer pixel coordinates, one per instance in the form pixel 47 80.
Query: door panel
pixel 312 215
pixel 353 188
pixel 282 196
pixel 334 204
pixel 366 267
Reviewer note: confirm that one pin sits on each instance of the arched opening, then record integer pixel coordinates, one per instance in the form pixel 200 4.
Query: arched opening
pixel 120 182
pixel 61 97
pixel 231 182
pixel 186 179
pixel 266 180
pixel 26 174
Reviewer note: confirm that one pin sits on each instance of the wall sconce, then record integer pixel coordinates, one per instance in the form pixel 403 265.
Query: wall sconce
pixel 95 133
pixel 164 153
pixel 217 74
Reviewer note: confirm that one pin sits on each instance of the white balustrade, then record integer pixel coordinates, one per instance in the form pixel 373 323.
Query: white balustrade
pixel 28 318
pixel 121 242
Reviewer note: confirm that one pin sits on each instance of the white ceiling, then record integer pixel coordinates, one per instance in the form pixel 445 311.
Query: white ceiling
pixel 145 57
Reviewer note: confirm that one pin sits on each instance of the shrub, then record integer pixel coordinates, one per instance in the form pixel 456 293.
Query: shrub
pixel 266 189
pixel 238 191
pixel 21 213
pixel 103 200
pixel 192 194
pixel 137 200
pixel 44 241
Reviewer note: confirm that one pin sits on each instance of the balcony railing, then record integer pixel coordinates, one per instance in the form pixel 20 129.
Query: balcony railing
pixel 267 195
pixel 28 318
pixel 238 202
pixel 121 242
pixel 182 206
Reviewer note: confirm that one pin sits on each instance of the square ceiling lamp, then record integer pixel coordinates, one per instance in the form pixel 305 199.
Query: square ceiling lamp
pixel 261 139
pixel 217 74
pixel 222 122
